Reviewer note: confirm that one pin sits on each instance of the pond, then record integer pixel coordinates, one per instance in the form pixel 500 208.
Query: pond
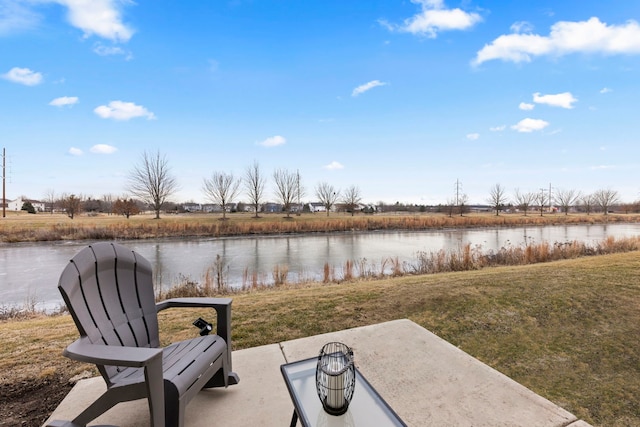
pixel 30 271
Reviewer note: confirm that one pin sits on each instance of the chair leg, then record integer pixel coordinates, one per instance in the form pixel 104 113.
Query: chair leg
pixel 224 377
pixel 155 392
pixel 173 413
pixel 105 402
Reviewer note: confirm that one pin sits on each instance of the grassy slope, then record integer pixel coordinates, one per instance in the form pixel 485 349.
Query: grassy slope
pixel 568 330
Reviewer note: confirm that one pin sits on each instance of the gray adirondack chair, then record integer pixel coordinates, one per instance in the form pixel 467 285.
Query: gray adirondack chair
pixel 109 291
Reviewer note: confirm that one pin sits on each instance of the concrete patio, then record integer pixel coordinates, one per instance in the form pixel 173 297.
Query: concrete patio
pixel 426 380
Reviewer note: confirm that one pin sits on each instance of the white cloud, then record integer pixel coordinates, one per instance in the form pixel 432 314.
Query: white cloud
pixel 103 149
pixel 529 125
pixel 334 166
pixel 526 107
pixel 119 110
pixel 565 37
pixel 433 18
pixel 23 76
pixel 521 27
pixel 75 151
pixel 16 17
pixel 564 100
pixel 498 128
pixel 103 50
pixel 64 100
pixel 367 86
pixel 473 136
pixel 606 90
pixel 100 17
pixel 273 141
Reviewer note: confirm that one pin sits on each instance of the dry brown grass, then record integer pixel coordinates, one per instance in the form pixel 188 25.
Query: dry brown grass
pixel 45 227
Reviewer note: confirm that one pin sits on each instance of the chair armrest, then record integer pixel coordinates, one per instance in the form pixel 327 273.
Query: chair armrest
pixel 222 306
pixel 216 303
pixel 99 354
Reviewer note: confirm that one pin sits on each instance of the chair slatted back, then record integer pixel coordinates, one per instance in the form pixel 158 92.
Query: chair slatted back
pixel 108 290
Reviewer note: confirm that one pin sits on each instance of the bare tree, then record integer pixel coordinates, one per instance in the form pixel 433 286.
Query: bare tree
pixel 254 184
pixel 286 188
pixel 542 199
pixel 524 201
pixel 125 207
pixel 633 207
pixel 606 198
pixel 588 202
pixel 463 199
pixel 50 198
pixel 151 180
pixel 327 195
pixel 222 188
pixel 352 198
pixel 566 199
pixel 91 206
pixel 450 206
pixel 107 203
pixel 497 198
pixel 71 205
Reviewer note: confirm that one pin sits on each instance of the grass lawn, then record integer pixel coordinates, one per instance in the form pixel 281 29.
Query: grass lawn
pixel 567 329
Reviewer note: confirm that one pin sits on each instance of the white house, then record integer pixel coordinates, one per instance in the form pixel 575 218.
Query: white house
pixel 316 207
pixel 16 205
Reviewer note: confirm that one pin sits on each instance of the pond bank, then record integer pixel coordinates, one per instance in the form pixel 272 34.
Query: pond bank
pixel 57 227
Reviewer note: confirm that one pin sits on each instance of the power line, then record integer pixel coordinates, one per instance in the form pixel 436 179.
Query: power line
pixel 458 186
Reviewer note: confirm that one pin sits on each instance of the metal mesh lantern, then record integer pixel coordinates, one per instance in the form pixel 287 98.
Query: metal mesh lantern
pixel 335 377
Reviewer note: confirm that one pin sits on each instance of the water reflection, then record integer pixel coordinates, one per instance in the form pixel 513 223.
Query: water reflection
pixel 32 270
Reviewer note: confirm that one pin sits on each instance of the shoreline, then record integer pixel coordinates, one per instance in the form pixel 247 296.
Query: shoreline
pixel 23 227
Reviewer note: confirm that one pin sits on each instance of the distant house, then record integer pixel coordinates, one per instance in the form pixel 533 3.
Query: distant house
pixel 244 207
pixel 211 208
pixel 368 209
pixel 271 207
pixel 316 207
pixel 192 207
pixel 16 205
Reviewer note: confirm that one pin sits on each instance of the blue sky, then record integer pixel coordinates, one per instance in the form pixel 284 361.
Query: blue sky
pixel 400 98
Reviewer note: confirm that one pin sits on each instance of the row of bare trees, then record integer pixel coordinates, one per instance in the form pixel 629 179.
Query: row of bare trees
pixel 72 204
pixel 223 188
pixel 152 183
pixel 602 199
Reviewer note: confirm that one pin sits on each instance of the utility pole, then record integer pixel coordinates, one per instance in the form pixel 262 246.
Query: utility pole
pixel 458 184
pixel 4 188
pixel 549 197
pixel 298 211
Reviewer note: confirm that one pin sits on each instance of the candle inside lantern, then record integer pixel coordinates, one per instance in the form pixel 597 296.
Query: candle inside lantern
pixel 336 377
